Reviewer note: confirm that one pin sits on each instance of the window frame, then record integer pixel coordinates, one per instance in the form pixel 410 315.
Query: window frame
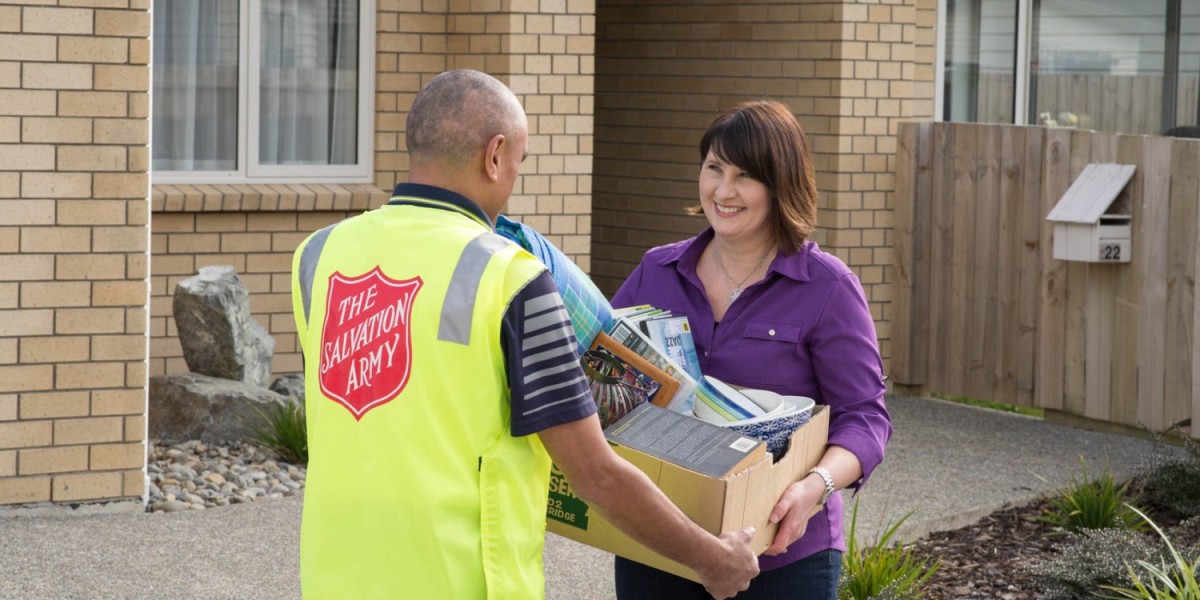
pixel 1024 85
pixel 249 169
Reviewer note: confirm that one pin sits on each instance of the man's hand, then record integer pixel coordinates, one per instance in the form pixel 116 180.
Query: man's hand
pixel 733 570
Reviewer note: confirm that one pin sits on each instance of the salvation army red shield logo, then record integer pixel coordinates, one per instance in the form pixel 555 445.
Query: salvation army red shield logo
pixel 366 352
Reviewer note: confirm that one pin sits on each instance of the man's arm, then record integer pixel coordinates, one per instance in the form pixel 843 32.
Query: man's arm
pixel 629 500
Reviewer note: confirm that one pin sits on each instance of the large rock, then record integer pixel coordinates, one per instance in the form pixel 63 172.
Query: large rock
pixel 290 384
pixel 219 338
pixel 191 406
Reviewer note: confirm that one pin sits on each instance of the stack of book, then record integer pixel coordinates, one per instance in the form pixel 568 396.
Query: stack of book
pixel 660 346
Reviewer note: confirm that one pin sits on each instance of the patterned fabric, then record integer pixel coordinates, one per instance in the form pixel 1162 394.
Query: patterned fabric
pixel 589 310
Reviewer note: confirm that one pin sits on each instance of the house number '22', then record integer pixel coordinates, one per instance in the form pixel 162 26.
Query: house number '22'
pixel 1110 252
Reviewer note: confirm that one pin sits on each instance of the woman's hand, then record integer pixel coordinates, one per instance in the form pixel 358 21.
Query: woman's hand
pixel 797 505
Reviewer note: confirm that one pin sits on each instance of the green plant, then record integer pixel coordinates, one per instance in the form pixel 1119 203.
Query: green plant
pixel 1086 561
pixel 1092 504
pixel 1172 480
pixel 882 571
pixel 1000 406
pixel 1174 581
pixel 283 429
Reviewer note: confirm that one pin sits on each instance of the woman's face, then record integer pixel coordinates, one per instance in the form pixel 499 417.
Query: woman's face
pixel 735 204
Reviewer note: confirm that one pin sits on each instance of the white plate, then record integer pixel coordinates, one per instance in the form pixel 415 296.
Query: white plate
pixel 792 404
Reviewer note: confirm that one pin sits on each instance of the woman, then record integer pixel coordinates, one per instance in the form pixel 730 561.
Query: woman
pixel 770 310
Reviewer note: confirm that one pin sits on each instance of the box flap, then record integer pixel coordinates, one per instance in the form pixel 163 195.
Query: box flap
pixel 1092 192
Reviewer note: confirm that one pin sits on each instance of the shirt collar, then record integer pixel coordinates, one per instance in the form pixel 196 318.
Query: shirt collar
pixel 686 255
pixel 419 194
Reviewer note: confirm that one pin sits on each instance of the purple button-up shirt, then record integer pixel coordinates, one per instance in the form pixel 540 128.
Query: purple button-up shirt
pixel 804 330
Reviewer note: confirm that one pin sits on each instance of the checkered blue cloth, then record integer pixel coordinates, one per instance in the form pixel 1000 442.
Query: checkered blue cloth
pixel 589 310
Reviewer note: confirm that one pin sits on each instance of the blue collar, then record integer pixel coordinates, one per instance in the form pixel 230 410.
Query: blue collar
pixel 428 196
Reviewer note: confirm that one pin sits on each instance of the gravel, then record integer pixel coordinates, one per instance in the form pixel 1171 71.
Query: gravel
pixel 196 476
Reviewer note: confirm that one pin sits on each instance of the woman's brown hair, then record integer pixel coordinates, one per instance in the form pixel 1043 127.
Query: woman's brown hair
pixel 764 139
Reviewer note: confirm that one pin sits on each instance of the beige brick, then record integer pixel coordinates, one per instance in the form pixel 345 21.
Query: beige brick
pixel 56 130
pixel 139 51
pixel 56 76
pixel 92 49
pixel 24 490
pixel 39 294
pixel 119 347
pixel 56 349
pixel 90 212
pixel 8 460
pixel 119 402
pixel 20 323
pixel 26 102
pixel 26 268
pixel 139 106
pixel 91 104
pixel 10 76
pixel 8 407
pixel 118 293
pixel 86 486
pixel 27 157
pixel 25 434
pixel 117 456
pixel 135 428
pixel 54 405
pixel 88 430
pixel 134 482
pixel 10 185
pixel 52 460
pixel 56 185
pixel 68 321
pixel 135 374
pixel 50 240
pixel 91 158
pixel 123 77
pixel 90 266
pixel 122 185
pixel 120 239
pixel 57 20
pixel 10 18
pixel 124 23
pixel 122 131
pixel 25 47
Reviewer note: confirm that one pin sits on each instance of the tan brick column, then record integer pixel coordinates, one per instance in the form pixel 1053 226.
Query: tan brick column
pixel 848 70
pixel 74 159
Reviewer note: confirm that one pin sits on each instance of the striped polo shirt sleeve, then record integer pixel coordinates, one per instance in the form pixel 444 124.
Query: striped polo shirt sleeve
pixel 547 386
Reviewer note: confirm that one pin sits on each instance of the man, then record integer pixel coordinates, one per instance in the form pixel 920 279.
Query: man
pixel 435 350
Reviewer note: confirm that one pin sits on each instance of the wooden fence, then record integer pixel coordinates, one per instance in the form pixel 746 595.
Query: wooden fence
pixel 982 309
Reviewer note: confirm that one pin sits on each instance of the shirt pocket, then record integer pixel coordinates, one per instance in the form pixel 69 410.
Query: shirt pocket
pixel 771 353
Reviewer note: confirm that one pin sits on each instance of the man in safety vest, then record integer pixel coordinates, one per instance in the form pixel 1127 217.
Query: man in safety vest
pixel 434 351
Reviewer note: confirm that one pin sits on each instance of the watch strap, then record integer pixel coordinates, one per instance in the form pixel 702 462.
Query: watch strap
pixel 828 479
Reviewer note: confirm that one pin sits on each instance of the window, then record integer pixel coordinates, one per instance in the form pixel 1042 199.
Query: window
pixel 1109 65
pixel 262 90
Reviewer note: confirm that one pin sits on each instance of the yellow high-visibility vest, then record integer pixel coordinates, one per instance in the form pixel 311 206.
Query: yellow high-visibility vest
pixel 416 488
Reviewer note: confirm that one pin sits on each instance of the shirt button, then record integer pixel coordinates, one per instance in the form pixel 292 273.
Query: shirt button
pixel 771 332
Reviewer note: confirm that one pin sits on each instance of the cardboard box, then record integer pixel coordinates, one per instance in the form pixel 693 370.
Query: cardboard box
pixel 718 505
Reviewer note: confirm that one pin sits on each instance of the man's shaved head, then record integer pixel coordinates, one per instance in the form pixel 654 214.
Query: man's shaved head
pixel 457 112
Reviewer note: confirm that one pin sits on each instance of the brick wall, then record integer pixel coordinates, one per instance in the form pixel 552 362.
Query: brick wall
pixel 849 71
pixel 73 234
pixel 543 50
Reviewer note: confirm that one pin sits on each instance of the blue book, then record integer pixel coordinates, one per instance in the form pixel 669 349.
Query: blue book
pixel 673 335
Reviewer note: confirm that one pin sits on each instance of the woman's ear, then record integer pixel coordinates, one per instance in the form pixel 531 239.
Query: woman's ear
pixel 492 156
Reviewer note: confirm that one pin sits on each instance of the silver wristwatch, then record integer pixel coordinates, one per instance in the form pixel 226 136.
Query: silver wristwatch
pixel 828 479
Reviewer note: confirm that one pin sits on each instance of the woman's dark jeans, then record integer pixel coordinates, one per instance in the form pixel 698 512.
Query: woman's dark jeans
pixel 811 578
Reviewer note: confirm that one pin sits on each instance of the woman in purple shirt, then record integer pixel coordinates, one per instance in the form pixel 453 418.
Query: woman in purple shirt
pixel 770 310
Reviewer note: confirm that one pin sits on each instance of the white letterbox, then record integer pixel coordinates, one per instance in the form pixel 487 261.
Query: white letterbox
pixel 1092 221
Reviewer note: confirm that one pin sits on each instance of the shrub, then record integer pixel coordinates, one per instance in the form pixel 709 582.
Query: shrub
pixel 1172 480
pixel 283 429
pixel 883 571
pixel 1090 559
pixel 1174 579
pixel 1092 504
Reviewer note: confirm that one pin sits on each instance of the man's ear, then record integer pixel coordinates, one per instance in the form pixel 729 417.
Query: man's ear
pixel 492 156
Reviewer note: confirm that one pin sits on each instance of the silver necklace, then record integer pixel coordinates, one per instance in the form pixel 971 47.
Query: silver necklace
pixel 737 285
